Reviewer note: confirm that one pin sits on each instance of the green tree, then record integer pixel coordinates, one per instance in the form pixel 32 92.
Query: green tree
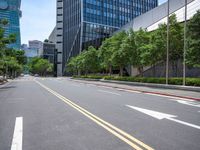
pixel 155 51
pixel 193 52
pixel 72 66
pixel 138 43
pixel 119 53
pixel 11 61
pixel 91 60
pixel 175 42
pixel 40 66
pixel 105 53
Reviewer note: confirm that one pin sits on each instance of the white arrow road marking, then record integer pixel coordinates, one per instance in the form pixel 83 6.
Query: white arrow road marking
pixel 18 133
pixel 161 116
pixel 109 92
pixel 190 103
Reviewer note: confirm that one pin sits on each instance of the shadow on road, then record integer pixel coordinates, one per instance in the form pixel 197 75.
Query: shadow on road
pixel 7 87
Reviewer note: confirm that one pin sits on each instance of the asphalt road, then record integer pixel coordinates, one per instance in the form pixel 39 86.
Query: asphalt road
pixel 60 114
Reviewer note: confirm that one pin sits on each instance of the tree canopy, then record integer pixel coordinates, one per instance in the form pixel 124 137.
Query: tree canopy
pixel 141 48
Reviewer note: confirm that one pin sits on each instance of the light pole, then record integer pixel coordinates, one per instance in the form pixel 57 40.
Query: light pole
pixel 55 62
pixel 167 52
pixel 185 45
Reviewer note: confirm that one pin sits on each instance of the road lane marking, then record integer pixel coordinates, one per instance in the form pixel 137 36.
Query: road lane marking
pixel 75 85
pixel 109 92
pixel 127 138
pixel 184 123
pixel 190 103
pixel 129 91
pixel 18 133
pixel 160 116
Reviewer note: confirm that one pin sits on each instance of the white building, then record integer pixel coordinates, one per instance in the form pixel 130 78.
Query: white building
pixel 36 45
pixel 158 15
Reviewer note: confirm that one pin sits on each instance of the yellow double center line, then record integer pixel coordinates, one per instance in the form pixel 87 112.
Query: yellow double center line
pixel 122 135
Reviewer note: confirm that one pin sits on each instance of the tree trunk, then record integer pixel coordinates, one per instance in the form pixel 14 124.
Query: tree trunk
pixel 154 70
pixel 110 70
pixel 121 71
pixel 140 70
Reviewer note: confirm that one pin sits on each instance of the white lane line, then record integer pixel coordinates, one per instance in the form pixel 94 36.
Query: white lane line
pixel 76 85
pixel 129 91
pixel 109 92
pixel 184 123
pixel 18 133
pixel 190 103
pixel 161 116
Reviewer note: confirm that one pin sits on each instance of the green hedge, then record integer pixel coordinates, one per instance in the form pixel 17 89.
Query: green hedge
pixel 172 81
pixel 89 77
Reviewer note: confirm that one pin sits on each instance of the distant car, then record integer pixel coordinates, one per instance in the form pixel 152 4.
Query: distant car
pixel 26 75
pixel 22 75
pixel 36 75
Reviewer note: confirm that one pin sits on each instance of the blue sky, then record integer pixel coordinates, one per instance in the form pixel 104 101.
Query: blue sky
pixel 39 19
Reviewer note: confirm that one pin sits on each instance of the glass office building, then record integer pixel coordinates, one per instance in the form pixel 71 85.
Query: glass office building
pixel 10 10
pixel 89 22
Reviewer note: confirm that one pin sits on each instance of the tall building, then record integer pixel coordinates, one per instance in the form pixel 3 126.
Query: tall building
pixel 29 53
pixel 158 15
pixel 36 45
pixel 49 51
pixel 10 10
pixel 52 36
pixel 81 23
pixel 153 19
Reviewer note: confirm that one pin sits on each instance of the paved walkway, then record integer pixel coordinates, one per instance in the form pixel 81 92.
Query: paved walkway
pixel 164 91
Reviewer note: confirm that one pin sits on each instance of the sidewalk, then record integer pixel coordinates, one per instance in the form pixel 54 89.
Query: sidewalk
pixel 192 95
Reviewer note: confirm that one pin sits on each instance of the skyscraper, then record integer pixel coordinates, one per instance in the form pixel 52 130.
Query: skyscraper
pixel 10 10
pixel 81 23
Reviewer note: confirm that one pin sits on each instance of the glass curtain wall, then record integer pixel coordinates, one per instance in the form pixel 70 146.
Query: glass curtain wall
pixel 10 10
pixel 89 22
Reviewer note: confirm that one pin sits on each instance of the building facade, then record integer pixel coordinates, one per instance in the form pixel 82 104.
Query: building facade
pixel 158 15
pixel 29 53
pixel 81 23
pixel 37 46
pixel 49 52
pixel 151 20
pixel 52 36
pixel 10 10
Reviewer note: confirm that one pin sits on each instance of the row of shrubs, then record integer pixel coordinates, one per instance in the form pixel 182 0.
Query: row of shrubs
pixel 90 77
pixel 172 81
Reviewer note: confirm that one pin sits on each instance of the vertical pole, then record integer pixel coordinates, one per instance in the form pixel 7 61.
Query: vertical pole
pixel 167 59
pixel 55 63
pixel 81 25
pixel 185 45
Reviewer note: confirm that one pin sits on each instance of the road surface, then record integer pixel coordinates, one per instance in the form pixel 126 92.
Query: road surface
pixel 61 114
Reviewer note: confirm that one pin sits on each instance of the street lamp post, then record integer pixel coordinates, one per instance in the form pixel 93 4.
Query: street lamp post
pixel 185 45
pixel 167 52
pixel 55 62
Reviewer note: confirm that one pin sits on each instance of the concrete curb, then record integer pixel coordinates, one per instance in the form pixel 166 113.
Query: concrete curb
pixel 177 87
